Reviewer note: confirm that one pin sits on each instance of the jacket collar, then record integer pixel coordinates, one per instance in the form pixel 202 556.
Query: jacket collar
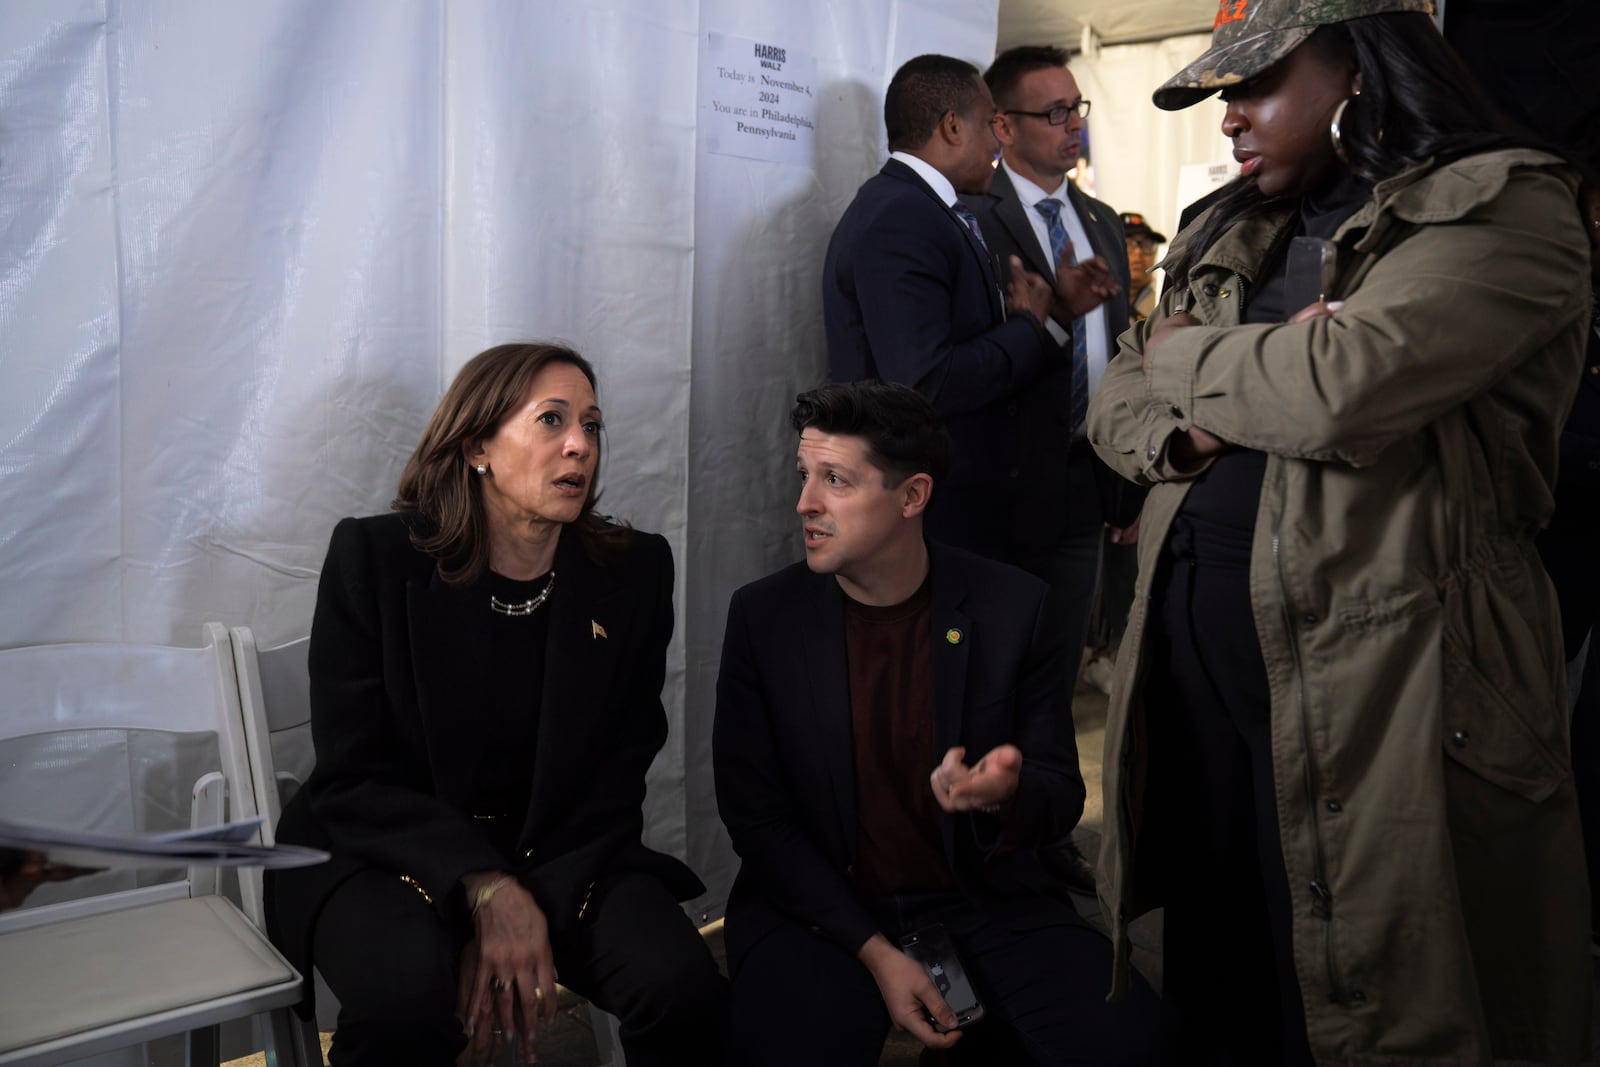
pixel 1013 215
pixel 1424 193
pixel 901 172
pixel 822 637
pixel 1427 193
pixel 928 175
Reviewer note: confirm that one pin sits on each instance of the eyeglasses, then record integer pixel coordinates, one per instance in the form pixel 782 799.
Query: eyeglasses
pixel 1056 116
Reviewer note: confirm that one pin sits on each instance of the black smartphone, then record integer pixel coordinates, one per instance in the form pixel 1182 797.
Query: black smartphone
pixel 931 946
pixel 1309 276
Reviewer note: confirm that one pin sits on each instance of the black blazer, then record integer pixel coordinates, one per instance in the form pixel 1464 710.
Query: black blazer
pixel 397 664
pixel 782 747
pixel 1042 429
pixel 909 295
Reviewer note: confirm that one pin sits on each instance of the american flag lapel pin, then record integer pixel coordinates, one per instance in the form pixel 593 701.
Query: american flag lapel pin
pixel 596 631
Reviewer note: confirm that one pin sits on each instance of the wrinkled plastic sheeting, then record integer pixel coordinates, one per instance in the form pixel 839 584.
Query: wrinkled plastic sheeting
pixel 243 246
pixel 761 232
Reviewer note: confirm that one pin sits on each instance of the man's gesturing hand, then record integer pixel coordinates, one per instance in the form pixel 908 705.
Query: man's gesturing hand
pixel 1027 291
pixel 1082 287
pixel 985 786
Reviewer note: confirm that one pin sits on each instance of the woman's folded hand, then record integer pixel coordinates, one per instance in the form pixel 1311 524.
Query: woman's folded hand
pixel 507 988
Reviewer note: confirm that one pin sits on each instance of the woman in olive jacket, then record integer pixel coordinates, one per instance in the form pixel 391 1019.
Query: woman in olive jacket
pixel 1337 744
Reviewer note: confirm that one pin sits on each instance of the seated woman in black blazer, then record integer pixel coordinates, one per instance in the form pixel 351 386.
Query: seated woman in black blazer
pixel 486 671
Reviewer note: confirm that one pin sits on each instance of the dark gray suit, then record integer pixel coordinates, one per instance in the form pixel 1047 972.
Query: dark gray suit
pixel 1063 495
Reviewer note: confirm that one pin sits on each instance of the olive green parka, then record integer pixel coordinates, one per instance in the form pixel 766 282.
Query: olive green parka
pixel 1411 639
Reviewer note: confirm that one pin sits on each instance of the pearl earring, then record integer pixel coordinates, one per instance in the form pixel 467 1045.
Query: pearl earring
pixel 482 469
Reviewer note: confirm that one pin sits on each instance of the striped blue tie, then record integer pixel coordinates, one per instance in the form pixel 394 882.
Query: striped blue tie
pixel 1061 251
pixel 970 221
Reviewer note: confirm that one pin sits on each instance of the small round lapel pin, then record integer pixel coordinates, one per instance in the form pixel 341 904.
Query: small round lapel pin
pixel 953 635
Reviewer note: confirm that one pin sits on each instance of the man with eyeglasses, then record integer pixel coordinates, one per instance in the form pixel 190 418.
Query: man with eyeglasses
pixel 912 294
pixel 1062 495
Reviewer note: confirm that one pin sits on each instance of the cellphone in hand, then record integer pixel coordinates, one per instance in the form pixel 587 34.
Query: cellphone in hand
pixel 1310 273
pixel 931 946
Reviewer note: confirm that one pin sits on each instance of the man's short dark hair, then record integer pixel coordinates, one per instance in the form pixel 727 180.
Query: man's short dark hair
pixel 904 435
pixel 921 93
pixel 1012 65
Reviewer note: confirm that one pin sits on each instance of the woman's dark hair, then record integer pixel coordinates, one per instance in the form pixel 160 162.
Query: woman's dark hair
pixel 904 434
pixel 1418 101
pixel 440 486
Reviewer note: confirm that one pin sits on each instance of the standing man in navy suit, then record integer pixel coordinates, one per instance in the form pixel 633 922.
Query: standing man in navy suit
pixel 1057 535
pixel 892 747
pixel 911 293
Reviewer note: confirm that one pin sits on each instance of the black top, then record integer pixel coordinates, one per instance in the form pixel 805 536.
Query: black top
pixel 1217 521
pixel 516 643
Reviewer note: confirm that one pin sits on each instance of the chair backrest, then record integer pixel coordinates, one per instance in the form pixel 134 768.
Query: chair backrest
pixel 275 697
pixel 122 738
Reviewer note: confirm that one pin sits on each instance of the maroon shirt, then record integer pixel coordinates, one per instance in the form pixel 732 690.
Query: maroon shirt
pixel 899 846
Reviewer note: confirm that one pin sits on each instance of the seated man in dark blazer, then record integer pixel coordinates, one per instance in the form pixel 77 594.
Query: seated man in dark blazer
pixel 891 748
pixel 912 294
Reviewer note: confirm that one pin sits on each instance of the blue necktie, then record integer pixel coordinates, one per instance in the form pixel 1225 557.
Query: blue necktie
pixel 1061 251
pixel 971 222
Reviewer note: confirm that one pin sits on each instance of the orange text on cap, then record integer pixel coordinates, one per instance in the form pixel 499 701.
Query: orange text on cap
pixel 1230 11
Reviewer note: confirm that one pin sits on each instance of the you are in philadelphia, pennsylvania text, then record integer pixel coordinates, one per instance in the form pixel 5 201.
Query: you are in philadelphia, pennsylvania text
pixel 766 131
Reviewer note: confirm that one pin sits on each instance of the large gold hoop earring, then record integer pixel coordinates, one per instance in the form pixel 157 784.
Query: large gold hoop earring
pixel 1334 133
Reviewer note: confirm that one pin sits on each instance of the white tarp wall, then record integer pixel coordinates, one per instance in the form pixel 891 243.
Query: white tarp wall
pixel 1140 151
pixel 243 247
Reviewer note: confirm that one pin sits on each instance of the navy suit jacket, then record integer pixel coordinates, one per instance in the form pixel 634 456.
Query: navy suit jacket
pixel 910 296
pixel 1040 510
pixel 397 666
pixel 782 748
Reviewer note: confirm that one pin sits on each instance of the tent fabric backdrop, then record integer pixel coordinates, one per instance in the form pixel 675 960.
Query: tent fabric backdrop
pixel 246 245
pixel 1139 149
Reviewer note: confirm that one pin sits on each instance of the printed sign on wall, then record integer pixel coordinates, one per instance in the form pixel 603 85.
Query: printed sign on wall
pixel 758 99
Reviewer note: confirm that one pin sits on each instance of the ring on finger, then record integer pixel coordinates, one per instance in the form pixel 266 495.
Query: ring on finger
pixel 538 993
pixel 497 985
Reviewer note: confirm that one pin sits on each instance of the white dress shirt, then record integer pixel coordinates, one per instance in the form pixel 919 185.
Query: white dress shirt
pixel 930 174
pixel 1098 340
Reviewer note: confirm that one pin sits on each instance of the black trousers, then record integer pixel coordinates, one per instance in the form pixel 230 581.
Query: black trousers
pixel 1229 990
pixel 1568 548
pixel 1071 567
pixel 391 960
pixel 800 1000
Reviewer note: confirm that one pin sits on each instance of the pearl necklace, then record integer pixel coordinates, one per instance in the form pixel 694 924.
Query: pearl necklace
pixel 527 607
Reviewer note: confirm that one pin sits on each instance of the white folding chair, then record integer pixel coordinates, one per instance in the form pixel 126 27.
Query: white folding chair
pixel 109 737
pixel 275 692
pixel 275 701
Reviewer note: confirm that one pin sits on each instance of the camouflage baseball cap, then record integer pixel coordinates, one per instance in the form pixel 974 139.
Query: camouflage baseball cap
pixel 1251 35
